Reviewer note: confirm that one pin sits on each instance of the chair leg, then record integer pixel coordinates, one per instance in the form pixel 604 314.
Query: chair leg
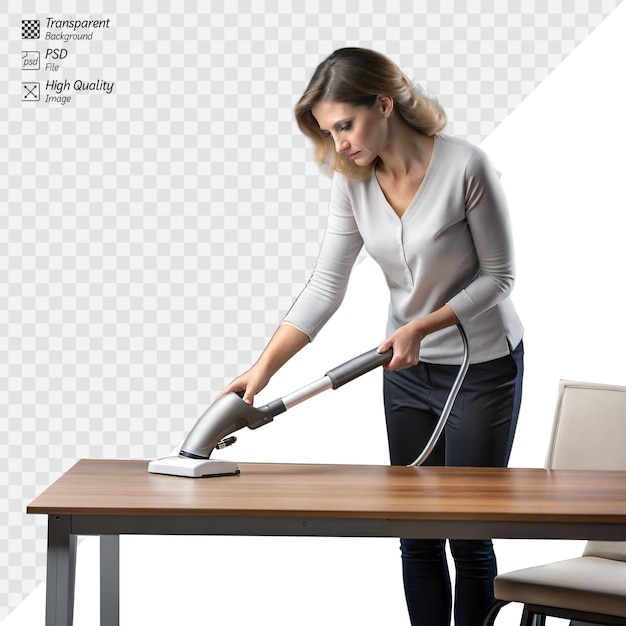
pixel 493 612
pixel 530 618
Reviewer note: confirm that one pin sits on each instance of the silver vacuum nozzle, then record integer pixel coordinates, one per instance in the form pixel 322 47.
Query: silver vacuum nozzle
pixel 225 416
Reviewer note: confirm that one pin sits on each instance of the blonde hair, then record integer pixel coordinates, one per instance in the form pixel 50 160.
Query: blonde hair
pixel 356 76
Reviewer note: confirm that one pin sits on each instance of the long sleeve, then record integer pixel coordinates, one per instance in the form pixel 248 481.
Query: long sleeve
pixel 328 282
pixel 487 216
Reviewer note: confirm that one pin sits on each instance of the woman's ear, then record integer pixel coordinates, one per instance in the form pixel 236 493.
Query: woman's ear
pixel 385 105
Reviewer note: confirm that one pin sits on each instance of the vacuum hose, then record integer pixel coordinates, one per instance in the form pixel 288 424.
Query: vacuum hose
pixel 445 413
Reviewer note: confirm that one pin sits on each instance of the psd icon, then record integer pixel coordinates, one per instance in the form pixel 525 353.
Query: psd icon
pixel 31 60
pixel 30 29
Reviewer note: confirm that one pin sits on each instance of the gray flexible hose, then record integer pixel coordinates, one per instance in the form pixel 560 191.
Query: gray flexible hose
pixel 445 413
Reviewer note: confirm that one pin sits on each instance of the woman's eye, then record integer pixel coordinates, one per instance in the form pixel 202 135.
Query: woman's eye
pixel 343 128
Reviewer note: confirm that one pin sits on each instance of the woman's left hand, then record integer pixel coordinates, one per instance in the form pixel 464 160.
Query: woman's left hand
pixel 406 343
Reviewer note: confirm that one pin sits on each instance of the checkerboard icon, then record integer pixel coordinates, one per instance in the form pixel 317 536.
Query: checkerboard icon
pixel 30 29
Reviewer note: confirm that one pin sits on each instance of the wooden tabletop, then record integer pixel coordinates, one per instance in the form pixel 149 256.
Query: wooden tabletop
pixel 111 487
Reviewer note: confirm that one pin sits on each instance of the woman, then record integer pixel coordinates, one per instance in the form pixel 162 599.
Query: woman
pixel 431 211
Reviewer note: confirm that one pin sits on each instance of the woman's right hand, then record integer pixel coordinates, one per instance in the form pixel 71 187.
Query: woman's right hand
pixel 248 384
pixel 287 340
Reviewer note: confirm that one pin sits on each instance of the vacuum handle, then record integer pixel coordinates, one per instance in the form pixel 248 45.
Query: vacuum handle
pixel 358 366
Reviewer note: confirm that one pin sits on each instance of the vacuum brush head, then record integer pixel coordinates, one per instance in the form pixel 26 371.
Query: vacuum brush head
pixel 192 468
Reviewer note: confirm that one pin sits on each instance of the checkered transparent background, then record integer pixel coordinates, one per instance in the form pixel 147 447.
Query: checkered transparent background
pixel 151 239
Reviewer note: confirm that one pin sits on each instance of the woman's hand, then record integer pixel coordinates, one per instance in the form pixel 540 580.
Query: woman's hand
pixel 248 384
pixel 406 343
pixel 286 342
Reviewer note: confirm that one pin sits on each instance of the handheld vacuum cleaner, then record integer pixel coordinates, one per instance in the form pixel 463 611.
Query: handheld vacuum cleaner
pixel 230 413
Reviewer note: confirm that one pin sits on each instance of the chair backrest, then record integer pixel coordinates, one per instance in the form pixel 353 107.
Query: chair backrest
pixel 589 432
pixel 615 550
pixel 589 429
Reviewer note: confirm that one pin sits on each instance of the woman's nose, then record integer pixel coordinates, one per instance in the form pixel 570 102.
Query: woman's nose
pixel 341 145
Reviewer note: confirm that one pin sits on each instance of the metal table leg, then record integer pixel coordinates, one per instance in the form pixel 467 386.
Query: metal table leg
pixel 61 572
pixel 109 580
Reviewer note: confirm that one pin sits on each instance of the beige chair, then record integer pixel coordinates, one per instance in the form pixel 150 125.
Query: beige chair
pixel 589 432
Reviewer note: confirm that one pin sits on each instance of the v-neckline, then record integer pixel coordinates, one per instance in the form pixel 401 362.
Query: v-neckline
pixel 420 189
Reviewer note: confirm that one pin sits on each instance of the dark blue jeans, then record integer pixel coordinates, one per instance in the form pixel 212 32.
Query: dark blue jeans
pixel 479 433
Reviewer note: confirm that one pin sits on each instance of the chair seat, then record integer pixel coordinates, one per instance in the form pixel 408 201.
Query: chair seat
pixel 586 583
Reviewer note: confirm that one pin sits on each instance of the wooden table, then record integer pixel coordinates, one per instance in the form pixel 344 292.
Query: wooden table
pixel 111 498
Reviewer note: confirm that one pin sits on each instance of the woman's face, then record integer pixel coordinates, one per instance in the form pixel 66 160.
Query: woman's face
pixel 358 131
